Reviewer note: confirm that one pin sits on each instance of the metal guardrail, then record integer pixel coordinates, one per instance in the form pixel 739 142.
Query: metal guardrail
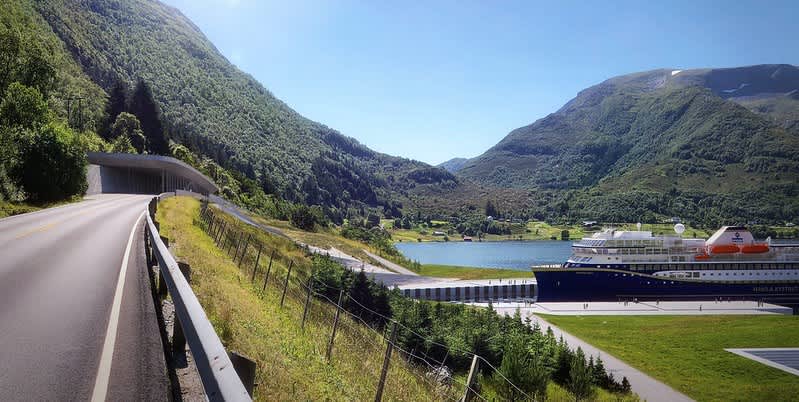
pixel 219 377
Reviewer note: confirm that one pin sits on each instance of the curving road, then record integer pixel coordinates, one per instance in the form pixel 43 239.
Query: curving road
pixel 71 327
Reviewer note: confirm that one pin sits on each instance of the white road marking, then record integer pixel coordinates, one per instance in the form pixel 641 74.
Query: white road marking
pixel 104 371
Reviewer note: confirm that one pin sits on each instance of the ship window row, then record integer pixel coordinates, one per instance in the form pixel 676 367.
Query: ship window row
pixel 750 273
pixel 738 266
pixel 634 251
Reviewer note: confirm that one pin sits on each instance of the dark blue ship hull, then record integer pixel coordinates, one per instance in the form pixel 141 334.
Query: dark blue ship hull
pixel 596 284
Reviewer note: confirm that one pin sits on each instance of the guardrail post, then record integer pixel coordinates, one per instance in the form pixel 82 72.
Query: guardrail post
pixel 178 336
pixel 335 326
pixel 469 393
pixel 286 284
pixel 386 360
pixel 162 289
pixel 307 303
pixel 268 269
pixel 245 368
pixel 255 267
pixel 148 253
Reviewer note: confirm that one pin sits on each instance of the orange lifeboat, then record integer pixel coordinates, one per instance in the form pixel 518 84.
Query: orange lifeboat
pixel 755 248
pixel 724 249
pixel 701 257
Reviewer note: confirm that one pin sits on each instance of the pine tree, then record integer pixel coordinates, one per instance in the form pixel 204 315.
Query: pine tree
pixel 600 375
pixel 579 382
pixel 117 103
pixel 144 107
pixel 625 386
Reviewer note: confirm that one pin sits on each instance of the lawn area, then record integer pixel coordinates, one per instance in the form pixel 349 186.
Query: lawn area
pixel 453 271
pixel 687 352
pixel 290 362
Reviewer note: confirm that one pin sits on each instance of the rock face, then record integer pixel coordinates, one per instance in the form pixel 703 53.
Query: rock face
pixel 453 165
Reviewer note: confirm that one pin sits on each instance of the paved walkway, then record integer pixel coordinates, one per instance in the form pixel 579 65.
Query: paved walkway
pixel 390 265
pixel 645 386
pixel 661 308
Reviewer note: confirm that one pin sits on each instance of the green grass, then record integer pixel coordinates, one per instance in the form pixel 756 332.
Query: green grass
pixel 535 230
pixel 290 362
pixel 687 352
pixel 10 209
pixel 17 208
pixel 461 272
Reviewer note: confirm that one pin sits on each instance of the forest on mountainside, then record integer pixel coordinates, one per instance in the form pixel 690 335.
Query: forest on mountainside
pixel 217 111
pixel 651 145
pixel 640 147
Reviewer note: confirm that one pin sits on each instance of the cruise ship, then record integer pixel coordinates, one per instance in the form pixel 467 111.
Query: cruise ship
pixel 618 265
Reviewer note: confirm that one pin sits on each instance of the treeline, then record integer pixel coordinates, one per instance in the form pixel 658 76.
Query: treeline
pixel 42 159
pixel 215 110
pixel 450 333
pixel 132 122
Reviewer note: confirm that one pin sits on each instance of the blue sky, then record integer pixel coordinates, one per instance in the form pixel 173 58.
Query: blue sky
pixel 436 80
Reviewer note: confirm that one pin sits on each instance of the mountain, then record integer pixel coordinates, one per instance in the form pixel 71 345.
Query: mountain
pixel 710 144
pixel 214 109
pixel 453 165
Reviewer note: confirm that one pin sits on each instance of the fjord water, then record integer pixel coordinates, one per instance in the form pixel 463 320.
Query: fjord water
pixel 517 255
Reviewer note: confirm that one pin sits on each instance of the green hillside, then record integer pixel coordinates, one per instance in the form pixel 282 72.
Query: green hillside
pixel 216 110
pixel 48 110
pixel 657 144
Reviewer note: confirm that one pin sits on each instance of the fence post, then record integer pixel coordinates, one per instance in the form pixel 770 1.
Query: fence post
pixel 234 240
pixel 268 269
pixel 307 302
pixel 286 284
pixel 386 360
pixel 255 267
pixel 221 230
pixel 162 290
pixel 469 393
pixel 178 337
pixel 244 250
pixel 335 326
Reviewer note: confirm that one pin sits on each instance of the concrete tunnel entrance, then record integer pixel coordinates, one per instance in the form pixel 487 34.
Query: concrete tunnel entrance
pixel 143 174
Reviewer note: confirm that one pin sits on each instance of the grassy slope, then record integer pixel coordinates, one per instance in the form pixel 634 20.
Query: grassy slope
pixel 291 363
pixel 687 352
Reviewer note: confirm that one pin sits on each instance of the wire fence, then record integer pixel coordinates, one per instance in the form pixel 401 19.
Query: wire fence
pixel 267 267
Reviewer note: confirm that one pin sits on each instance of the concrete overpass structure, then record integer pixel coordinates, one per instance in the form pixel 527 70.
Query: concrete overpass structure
pixel 143 174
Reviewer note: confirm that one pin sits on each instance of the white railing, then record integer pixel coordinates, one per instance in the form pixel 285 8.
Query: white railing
pixel 219 377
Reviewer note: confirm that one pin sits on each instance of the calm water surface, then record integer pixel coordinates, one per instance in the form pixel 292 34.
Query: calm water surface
pixel 518 255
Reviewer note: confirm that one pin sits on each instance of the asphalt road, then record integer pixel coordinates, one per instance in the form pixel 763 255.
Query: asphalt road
pixel 59 278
